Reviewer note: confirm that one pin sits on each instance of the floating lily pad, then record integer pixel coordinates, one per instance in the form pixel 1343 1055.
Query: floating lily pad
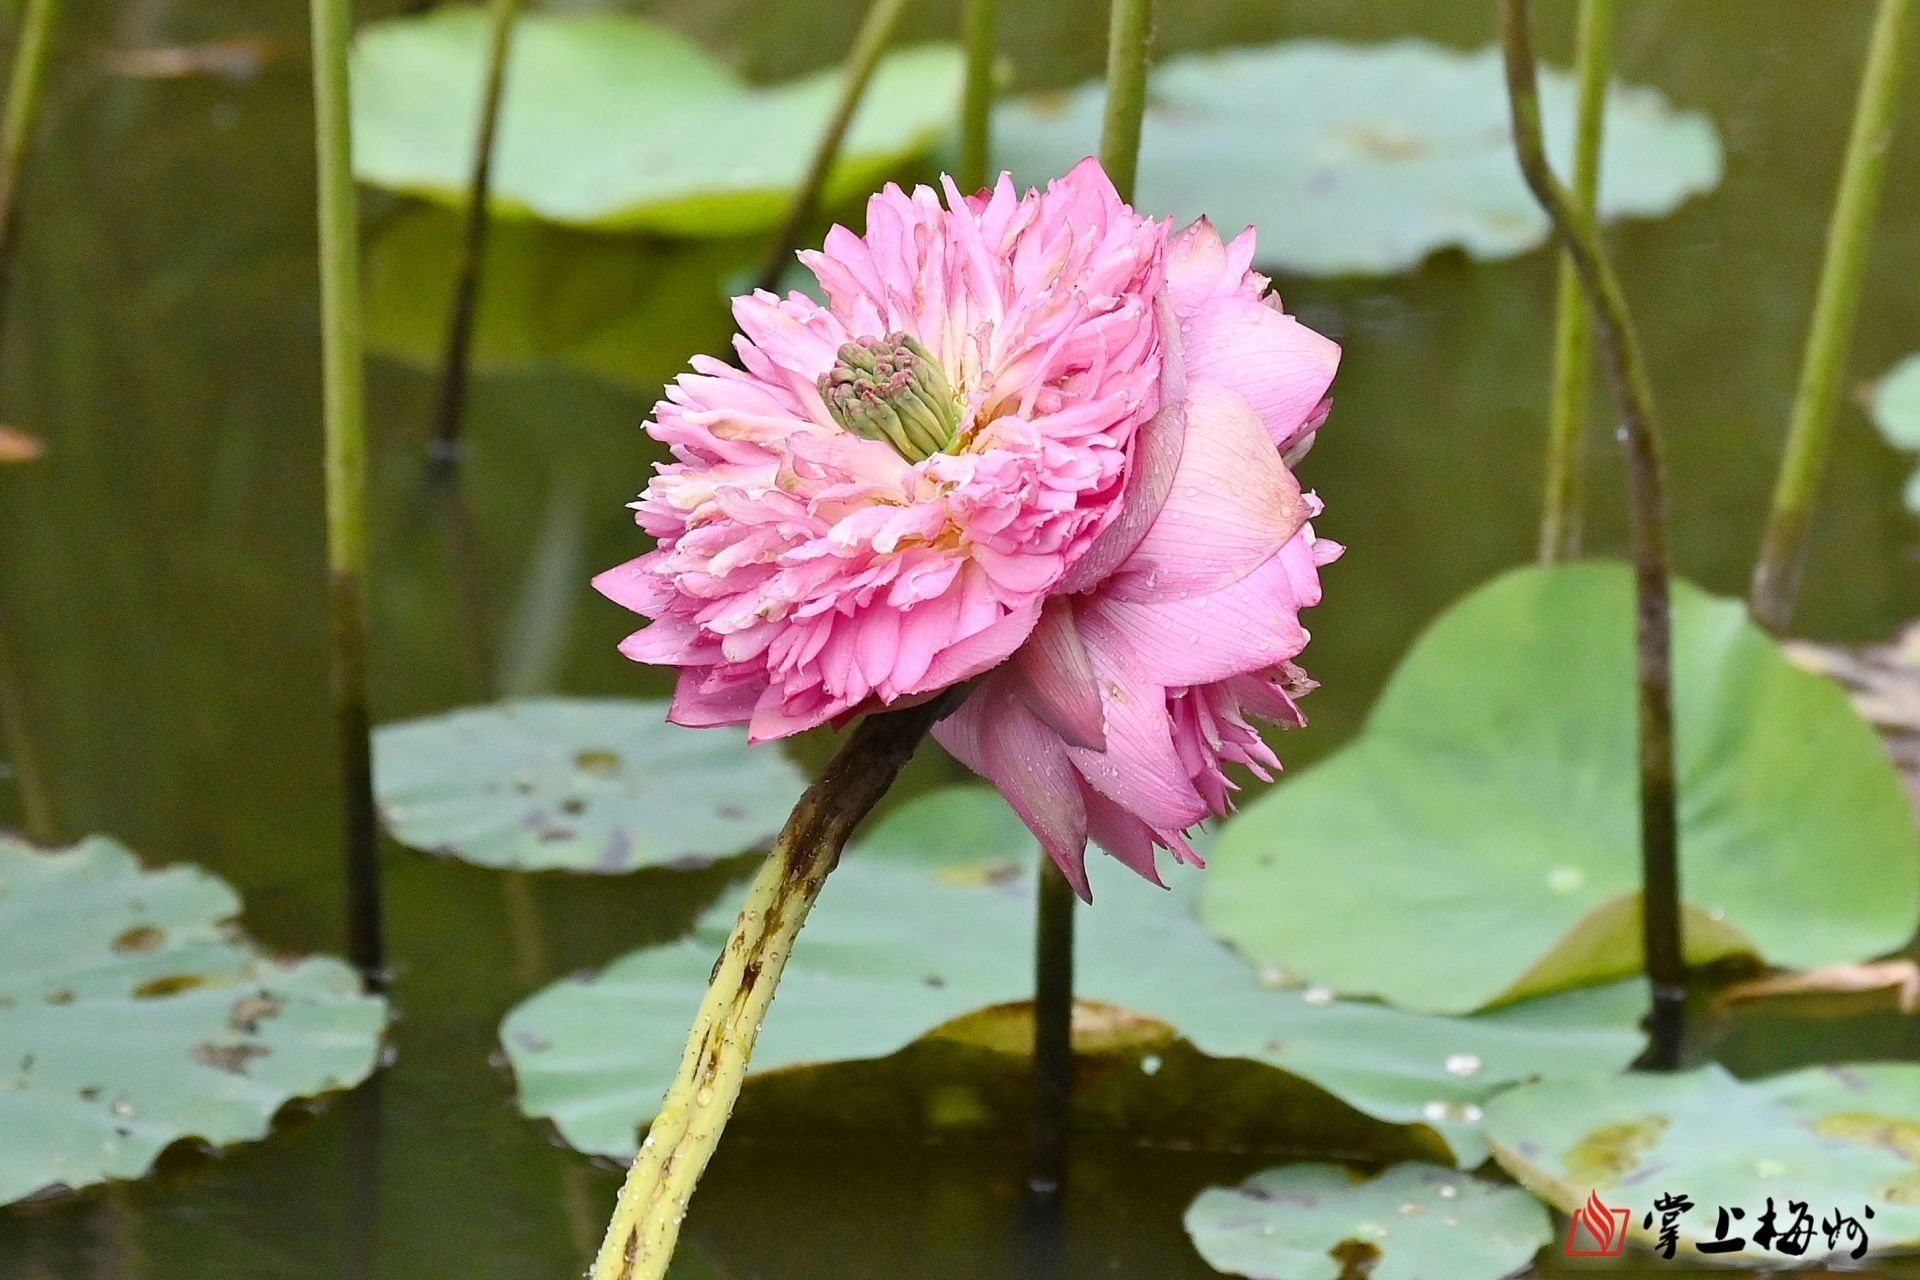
pixel 916 932
pixel 1490 806
pixel 1320 1222
pixel 1362 159
pixel 1837 1138
pixel 133 1016
pixel 1896 411
pixel 578 784
pixel 618 124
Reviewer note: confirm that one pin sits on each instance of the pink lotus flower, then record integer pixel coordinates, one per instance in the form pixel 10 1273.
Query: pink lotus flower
pixel 1036 439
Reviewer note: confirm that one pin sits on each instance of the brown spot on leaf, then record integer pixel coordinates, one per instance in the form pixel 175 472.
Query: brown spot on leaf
pixel 139 939
pixel 602 764
pixel 1356 1258
pixel 250 1011
pixel 171 985
pixel 62 996
pixel 230 1058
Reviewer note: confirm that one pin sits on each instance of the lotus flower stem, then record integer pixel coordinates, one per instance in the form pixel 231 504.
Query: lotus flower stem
pixel 346 477
pixel 1127 34
pixel 682 1136
pixel 979 27
pixel 1573 330
pixel 1052 1031
pixel 25 88
pixel 1626 372
pixel 876 31
pixel 1776 575
pixel 444 456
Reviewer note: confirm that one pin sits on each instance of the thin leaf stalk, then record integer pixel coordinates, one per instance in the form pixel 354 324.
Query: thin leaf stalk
pixel 344 411
pixel 869 43
pixel 1562 512
pixel 683 1135
pixel 1653 624
pixel 979 30
pixel 456 361
pixel 1776 573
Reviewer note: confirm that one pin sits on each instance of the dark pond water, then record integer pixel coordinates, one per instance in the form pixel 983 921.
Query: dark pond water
pixel 162 573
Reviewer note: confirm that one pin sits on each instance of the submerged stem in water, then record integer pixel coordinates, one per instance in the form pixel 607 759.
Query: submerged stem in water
pixel 682 1137
pixel 26 87
pixel 1653 621
pixel 346 473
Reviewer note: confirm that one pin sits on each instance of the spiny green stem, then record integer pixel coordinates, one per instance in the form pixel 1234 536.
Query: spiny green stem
pixel 26 87
pixel 343 391
pixel 876 30
pixel 1626 372
pixel 1573 330
pixel 682 1137
pixel 1127 32
pixel 979 28
pixel 1776 575
pixel 454 366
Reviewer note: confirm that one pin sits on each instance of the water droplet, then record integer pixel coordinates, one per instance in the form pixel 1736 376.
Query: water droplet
pixel 1274 978
pixel 123 1108
pixel 1150 1065
pixel 1715 913
pixel 1463 1064
pixel 1566 879
pixel 1437 1112
pixel 1411 1208
pixel 1321 996
pixel 1448 1191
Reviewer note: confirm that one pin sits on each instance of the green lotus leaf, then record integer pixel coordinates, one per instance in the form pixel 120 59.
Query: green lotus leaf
pixel 1490 806
pixel 577 784
pixel 1361 159
pixel 916 934
pixel 1896 411
pixel 134 1016
pixel 1409 1222
pixel 614 123
pixel 625 308
pixel 1839 1140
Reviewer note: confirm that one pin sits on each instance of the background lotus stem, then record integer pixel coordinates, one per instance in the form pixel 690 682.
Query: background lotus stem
pixel 682 1137
pixel 1653 622
pixel 979 28
pixel 344 391
pixel 1127 33
pixel 1573 330
pixel 1776 575
pixel 26 87
pixel 444 452
pixel 876 30
pixel 32 780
